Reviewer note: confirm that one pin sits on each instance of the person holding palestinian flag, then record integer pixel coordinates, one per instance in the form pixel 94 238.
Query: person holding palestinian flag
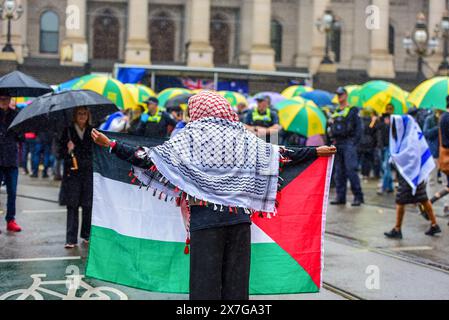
pixel 220 174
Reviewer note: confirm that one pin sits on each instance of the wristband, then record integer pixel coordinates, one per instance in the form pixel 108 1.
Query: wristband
pixel 112 145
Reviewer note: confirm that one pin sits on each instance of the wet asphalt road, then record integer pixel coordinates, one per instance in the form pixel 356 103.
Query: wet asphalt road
pixel 355 251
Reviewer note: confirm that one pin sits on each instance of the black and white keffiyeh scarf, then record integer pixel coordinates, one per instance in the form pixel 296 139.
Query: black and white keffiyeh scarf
pixel 217 161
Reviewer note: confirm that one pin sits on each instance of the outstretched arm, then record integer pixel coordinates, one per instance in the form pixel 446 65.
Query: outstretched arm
pixel 304 154
pixel 137 156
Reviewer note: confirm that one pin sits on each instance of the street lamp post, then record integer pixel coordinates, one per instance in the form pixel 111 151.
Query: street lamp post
pixel 443 29
pixel 419 44
pixel 9 10
pixel 327 24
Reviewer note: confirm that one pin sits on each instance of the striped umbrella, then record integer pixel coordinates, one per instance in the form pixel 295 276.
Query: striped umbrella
pixel 295 91
pixel 301 116
pixel 431 93
pixel 234 98
pixel 353 95
pixel 22 102
pixel 378 94
pixel 140 93
pixel 110 88
pixel 169 93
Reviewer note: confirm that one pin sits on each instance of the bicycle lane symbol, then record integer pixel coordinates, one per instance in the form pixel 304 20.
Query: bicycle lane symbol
pixel 73 282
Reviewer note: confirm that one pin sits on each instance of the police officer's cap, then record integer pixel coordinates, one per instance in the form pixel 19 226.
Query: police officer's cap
pixel 152 100
pixel 262 98
pixel 340 91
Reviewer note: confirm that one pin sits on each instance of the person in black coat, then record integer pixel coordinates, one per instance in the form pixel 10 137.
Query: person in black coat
pixel 77 181
pixel 368 142
pixel 9 171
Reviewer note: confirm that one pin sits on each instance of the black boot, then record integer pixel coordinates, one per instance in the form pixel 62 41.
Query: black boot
pixel 433 230
pixel 338 202
pixel 394 234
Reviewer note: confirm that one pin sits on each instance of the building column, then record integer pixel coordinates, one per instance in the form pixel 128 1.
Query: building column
pixel 18 36
pixel 318 38
pixel 74 46
pixel 304 38
pixel 261 55
pixel 360 37
pixel 138 49
pixel 245 32
pixel 199 51
pixel 436 10
pixel 381 64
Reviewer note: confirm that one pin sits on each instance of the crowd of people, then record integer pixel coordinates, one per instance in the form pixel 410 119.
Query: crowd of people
pixel 362 138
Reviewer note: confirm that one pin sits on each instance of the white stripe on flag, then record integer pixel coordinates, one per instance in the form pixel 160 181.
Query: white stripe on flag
pixel 134 212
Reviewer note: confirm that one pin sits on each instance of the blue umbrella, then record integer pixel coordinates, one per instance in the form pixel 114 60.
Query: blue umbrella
pixel 67 85
pixel 320 97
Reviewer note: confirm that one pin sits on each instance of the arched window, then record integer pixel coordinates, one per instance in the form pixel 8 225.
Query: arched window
pixel 219 38
pixel 106 36
pixel 49 32
pixel 162 38
pixel 336 43
pixel 391 38
pixel 276 39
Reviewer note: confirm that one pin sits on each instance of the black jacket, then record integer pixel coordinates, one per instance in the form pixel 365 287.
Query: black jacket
pixel 368 141
pixel 77 185
pixel 156 130
pixel 8 140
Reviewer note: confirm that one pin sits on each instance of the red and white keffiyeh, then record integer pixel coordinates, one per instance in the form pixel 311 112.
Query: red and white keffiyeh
pixel 208 104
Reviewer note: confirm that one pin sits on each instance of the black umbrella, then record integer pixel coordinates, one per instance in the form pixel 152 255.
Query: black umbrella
pixel 54 111
pixel 18 84
pixel 178 100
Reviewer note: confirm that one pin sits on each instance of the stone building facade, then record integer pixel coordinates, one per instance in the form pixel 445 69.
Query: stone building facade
pixel 255 34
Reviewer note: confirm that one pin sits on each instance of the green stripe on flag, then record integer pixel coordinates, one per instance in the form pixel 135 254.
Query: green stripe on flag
pixel 161 266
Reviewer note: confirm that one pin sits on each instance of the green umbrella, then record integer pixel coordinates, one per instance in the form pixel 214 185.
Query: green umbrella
pixel 431 93
pixel 301 116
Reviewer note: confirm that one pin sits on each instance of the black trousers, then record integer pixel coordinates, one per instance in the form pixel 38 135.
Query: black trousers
pixel 73 224
pixel 220 263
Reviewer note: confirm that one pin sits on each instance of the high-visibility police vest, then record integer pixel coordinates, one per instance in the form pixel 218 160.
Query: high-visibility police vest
pixel 265 118
pixel 156 118
pixel 340 126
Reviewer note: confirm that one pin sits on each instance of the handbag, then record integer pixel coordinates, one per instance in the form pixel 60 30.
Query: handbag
pixel 443 159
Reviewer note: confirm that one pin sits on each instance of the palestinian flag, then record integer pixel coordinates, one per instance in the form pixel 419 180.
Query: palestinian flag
pixel 138 240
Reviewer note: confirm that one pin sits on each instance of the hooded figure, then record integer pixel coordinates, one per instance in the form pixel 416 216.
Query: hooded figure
pixel 220 174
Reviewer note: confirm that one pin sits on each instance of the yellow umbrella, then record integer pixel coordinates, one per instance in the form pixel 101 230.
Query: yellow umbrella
pixel 140 93
pixel 295 91
pixel 170 93
pixel 110 88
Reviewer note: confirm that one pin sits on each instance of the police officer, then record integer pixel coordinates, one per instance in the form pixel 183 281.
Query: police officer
pixel 155 123
pixel 345 130
pixel 263 120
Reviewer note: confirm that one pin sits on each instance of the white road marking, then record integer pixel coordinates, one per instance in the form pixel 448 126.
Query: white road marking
pixel 45 211
pixel 40 259
pixel 411 248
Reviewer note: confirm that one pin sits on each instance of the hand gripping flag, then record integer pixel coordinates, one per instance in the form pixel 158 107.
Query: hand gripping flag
pixel 138 240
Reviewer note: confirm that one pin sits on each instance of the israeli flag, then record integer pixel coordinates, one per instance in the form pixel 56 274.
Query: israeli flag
pixel 410 151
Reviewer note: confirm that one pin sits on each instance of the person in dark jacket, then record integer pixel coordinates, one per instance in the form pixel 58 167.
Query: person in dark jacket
pixel 77 181
pixel 220 244
pixel 430 130
pixel 346 130
pixel 155 123
pixel 368 142
pixel 9 171
pixel 384 147
pixel 42 151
